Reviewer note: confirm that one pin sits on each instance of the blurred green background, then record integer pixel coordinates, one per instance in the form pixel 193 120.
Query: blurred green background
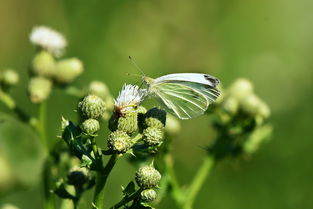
pixel 269 42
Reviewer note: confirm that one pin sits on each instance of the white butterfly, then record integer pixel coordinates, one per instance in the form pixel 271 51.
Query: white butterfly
pixel 187 95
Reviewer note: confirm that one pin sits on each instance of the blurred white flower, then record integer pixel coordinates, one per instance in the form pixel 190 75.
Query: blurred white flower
pixel 49 39
pixel 129 98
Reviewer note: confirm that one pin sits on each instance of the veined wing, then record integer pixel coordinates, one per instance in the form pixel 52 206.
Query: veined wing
pixel 189 77
pixel 182 100
pixel 210 92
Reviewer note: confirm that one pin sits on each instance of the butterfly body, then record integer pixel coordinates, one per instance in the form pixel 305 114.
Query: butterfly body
pixel 187 95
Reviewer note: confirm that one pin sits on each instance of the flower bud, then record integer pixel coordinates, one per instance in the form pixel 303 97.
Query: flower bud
pixel 147 177
pixel 90 126
pixel 43 64
pixel 141 110
pixel 153 136
pixel 78 176
pixel 92 106
pixel 119 141
pixel 68 69
pixel 251 104
pixel 153 122
pixel 230 105
pixel 148 195
pixel 241 88
pixel 128 123
pixel 39 89
pixel 257 137
pixel 264 110
pixel 157 114
pixel 99 88
pixel 172 125
pixel 9 77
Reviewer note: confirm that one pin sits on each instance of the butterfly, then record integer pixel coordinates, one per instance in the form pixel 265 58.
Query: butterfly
pixel 186 95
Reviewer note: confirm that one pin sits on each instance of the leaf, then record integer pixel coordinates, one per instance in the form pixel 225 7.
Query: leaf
pixel 21 154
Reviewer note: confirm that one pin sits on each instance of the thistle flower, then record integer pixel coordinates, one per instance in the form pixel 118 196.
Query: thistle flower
pixel 68 69
pixel 48 39
pixel 148 195
pixel 129 98
pixel 147 177
pixel 90 126
pixel 92 106
pixel 9 77
pixel 39 89
pixel 119 141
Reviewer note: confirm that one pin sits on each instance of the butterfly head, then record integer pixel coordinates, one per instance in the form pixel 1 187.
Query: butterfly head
pixel 147 80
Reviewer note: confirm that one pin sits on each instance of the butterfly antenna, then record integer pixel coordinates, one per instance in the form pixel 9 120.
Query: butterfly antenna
pixel 133 61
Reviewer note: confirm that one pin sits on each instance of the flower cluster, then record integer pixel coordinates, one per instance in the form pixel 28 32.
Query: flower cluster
pixel 134 130
pixel 45 69
pixel 241 120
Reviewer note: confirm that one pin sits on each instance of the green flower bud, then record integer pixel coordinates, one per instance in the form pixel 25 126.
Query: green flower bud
pixel 119 141
pixel 157 114
pixel 264 110
pixel 241 88
pixel 153 136
pixel 148 195
pixel 257 137
pixel 39 89
pixel 68 69
pixel 99 88
pixel 147 177
pixel 141 110
pixel 128 123
pixel 251 104
pixel 9 77
pixel 43 64
pixel 153 122
pixel 230 105
pixel 78 176
pixel 90 126
pixel 92 106
pixel 172 125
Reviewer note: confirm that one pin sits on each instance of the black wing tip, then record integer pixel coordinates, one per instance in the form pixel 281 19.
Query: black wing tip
pixel 211 79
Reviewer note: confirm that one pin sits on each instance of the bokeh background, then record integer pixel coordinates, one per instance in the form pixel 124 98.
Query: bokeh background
pixel 269 42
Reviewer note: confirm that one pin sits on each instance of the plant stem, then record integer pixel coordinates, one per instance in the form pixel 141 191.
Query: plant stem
pixel 198 181
pixel 127 199
pixel 46 177
pixel 41 126
pixel 175 190
pixel 101 181
pixel 48 199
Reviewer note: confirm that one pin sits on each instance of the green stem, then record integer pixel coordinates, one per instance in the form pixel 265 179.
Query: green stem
pixel 126 199
pixel 198 182
pixel 48 199
pixel 101 181
pixel 41 130
pixel 175 190
pixel 41 125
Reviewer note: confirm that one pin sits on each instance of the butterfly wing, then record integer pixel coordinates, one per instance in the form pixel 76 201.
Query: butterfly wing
pixel 183 100
pixel 189 77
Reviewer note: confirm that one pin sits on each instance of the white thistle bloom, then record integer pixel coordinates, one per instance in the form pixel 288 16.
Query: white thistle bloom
pixel 49 39
pixel 129 97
